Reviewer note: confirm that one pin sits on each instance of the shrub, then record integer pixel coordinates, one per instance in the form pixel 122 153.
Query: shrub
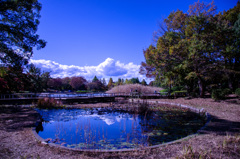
pixel 227 91
pixel 177 88
pixel 218 94
pixel 46 103
pixel 83 91
pixel 237 91
pixel 179 93
pixel 164 90
pixel 143 108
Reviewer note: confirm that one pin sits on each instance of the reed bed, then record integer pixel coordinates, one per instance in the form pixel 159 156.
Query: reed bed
pixel 128 88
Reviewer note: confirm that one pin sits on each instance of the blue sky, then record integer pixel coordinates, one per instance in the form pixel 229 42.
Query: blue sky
pixel 102 37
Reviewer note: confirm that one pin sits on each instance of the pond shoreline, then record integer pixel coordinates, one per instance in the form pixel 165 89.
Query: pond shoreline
pixel 134 108
pixel 19 142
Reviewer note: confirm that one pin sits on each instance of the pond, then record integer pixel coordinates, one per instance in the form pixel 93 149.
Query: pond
pixel 106 129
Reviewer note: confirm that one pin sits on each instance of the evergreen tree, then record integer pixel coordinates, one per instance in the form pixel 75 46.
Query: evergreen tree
pixel 95 79
pixel 104 82
pixel 144 82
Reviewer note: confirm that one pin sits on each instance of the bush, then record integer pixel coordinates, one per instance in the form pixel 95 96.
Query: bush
pixel 237 91
pixel 177 88
pixel 83 91
pixel 218 94
pixel 48 103
pixel 164 90
pixel 143 108
pixel 227 91
pixel 179 93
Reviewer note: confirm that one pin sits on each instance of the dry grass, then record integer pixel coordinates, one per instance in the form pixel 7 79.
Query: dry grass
pixel 127 88
pixel 220 139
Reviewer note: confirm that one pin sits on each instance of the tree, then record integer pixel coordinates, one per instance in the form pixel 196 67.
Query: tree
pixel 134 80
pixel 66 83
pixel 104 82
pixel 230 40
pixel 95 79
pixel 119 82
pixel 110 83
pixel 144 82
pixel 16 80
pixel 3 86
pixel 45 78
pixel 78 83
pixel 194 49
pixel 127 81
pixel 96 86
pixel 55 83
pixel 35 78
pixel 19 20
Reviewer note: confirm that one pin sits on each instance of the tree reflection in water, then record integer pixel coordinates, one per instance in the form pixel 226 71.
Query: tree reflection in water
pixel 109 129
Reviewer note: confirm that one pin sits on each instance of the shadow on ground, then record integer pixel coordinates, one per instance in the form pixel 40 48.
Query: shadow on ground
pixel 17 118
pixel 221 127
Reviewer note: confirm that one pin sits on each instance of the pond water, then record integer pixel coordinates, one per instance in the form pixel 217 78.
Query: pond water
pixel 108 129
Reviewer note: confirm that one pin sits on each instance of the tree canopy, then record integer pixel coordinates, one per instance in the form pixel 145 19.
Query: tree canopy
pixel 198 49
pixel 18 22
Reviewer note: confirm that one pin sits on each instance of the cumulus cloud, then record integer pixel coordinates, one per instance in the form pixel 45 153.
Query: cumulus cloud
pixel 111 68
pixel 106 69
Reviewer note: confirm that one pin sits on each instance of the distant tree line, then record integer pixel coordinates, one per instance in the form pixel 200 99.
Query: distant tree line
pixel 197 51
pixel 32 79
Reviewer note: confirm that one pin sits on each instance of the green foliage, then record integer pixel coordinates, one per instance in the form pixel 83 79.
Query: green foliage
pixel 19 21
pixel 196 49
pixel 132 81
pixel 237 91
pixel 178 88
pixel 104 82
pixel 119 82
pixel 144 82
pixel 218 94
pixel 35 78
pixel 164 90
pixel 179 93
pixel 95 79
pixel 157 84
pixel 15 80
pixel 82 91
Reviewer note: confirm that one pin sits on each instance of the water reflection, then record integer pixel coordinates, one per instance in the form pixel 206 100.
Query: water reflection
pixel 108 129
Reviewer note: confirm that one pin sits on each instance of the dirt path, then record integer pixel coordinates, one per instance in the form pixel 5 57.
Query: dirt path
pixel 220 139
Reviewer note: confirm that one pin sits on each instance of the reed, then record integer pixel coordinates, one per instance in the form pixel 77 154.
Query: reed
pixel 128 88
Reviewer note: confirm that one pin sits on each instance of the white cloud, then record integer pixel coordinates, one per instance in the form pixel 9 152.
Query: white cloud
pixel 106 69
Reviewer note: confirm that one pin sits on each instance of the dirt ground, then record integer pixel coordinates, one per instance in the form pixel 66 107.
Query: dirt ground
pixel 220 139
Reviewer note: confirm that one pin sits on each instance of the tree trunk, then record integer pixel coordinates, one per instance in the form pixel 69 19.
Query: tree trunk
pixel 169 91
pixel 201 87
pixel 232 82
